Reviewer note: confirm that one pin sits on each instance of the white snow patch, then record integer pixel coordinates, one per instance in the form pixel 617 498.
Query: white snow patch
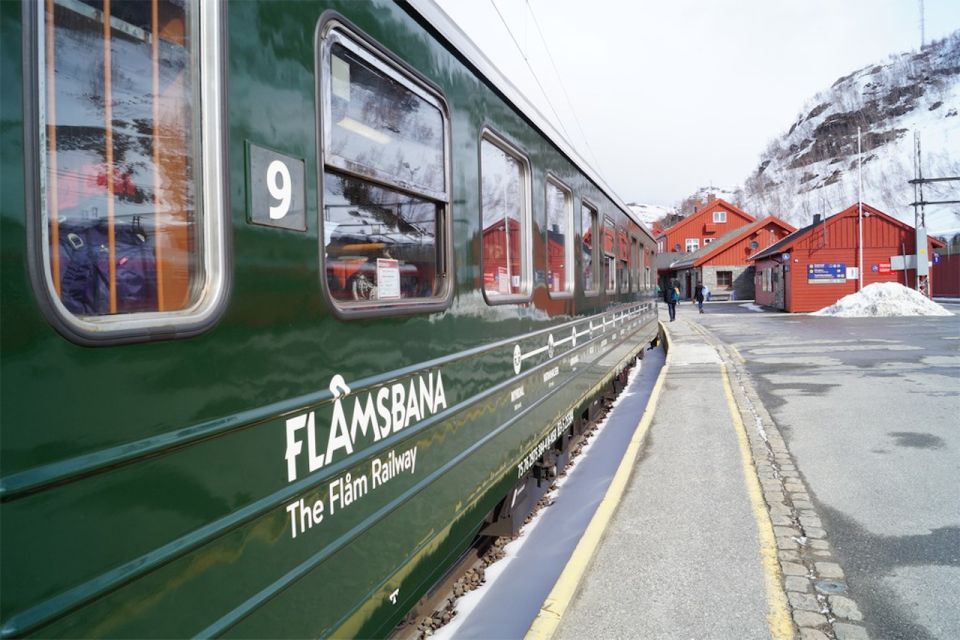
pixel 466 604
pixel 883 300
pixel 753 307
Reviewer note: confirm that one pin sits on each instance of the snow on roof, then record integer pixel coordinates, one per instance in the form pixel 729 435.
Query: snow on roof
pixel 883 300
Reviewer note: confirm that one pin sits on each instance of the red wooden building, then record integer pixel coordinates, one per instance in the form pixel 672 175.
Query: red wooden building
pixel 724 264
pixel 702 227
pixel 817 265
pixel 946 275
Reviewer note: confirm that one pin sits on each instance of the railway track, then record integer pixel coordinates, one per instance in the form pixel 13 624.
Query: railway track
pixel 439 606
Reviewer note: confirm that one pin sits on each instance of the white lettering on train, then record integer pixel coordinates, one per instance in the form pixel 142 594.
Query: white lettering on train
pixel 374 416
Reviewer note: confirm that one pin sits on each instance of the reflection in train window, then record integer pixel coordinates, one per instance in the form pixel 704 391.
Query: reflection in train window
pixel 588 239
pixel 609 258
pixel 380 244
pixel 124 228
pixel 384 181
pixel 381 128
pixel 505 209
pixel 559 239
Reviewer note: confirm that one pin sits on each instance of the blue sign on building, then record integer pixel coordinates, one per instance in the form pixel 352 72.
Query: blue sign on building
pixel 827 273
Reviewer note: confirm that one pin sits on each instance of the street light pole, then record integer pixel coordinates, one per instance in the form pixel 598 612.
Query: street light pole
pixel 859 214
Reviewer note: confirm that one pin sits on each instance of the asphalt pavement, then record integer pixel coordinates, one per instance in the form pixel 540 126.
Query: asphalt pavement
pixel 870 411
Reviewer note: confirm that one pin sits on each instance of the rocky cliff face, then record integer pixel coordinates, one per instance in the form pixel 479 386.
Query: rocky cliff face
pixel 812 168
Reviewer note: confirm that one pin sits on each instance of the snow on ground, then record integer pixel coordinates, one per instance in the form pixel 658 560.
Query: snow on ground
pixel 753 307
pixel 883 300
pixel 470 600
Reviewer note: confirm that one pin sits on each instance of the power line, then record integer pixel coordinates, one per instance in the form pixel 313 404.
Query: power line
pixel 530 67
pixel 576 119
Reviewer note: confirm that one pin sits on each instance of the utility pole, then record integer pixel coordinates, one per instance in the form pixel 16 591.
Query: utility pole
pixel 923 38
pixel 859 214
pixel 920 218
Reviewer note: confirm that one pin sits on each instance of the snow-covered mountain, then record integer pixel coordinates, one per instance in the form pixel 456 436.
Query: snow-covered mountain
pixel 812 168
pixel 650 213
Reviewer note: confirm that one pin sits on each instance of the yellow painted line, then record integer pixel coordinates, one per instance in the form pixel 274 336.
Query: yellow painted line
pixel 778 613
pixel 736 352
pixel 551 611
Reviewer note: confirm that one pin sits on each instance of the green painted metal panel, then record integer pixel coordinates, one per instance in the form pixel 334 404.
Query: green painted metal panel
pixel 145 487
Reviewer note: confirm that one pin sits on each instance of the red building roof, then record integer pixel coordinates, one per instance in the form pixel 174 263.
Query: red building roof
pixel 734 247
pixel 696 230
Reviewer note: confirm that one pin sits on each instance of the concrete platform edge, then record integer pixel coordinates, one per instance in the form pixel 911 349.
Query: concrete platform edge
pixel 545 625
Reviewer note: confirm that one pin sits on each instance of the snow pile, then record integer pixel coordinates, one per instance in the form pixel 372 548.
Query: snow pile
pixel 883 300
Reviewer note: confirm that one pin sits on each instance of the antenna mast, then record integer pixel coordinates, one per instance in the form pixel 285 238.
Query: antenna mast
pixel 923 39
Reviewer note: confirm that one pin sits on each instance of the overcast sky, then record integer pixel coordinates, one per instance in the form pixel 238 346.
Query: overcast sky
pixel 672 95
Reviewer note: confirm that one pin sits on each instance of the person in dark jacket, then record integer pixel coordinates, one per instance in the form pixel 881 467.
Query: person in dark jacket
pixel 671 295
pixel 698 296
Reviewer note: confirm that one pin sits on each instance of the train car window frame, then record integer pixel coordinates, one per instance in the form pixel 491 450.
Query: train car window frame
pixel 334 30
pixel 591 212
pixel 610 262
pixel 209 290
pixel 525 284
pixel 569 238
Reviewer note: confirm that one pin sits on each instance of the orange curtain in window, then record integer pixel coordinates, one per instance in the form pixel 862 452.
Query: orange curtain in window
pixel 171 150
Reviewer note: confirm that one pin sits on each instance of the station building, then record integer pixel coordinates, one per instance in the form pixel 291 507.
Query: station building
pixel 817 265
pixel 691 234
pixel 702 227
pixel 723 265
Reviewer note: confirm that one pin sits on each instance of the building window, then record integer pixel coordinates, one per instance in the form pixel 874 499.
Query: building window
pixel 131 218
pixel 384 182
pixel 707 241
pixel 636 262
pixel 692 244
pixel 661 244
pixel 505 204
pixel 724 279
pixel 589 233
pixel 559 239
pixel 720 216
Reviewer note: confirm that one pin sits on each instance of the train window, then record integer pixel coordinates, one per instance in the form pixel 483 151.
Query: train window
pixel 385 187
pixel 130 183
pixel 505 210
pixel 589 234
pixel 559 239
pixel 609 259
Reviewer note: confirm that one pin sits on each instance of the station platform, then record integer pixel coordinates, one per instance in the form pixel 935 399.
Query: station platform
pixel 683 548
pixel 659 531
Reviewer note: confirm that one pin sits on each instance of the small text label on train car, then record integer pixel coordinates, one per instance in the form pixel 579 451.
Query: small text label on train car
pixel 531 458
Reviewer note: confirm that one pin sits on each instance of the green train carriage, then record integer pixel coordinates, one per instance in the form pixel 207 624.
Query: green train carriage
pixel 293 294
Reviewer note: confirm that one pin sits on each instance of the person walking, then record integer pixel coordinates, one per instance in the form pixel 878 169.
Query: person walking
pixel 698 296
pixel 671 295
